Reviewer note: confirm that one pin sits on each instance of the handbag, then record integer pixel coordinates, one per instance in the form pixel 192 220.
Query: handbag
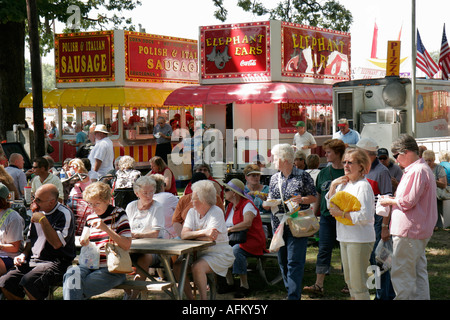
pixel 301 223
pixel 237 237
pixel 118 260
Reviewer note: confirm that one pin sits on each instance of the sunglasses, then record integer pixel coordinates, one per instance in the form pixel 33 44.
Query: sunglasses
pixel 347 162
pixel 397 154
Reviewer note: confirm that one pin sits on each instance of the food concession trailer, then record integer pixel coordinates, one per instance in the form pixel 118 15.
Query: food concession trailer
pixel 258 79
pixel 106 77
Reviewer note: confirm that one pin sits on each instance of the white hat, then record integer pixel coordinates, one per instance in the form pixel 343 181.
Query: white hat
pixel 368 144
pixel 101 128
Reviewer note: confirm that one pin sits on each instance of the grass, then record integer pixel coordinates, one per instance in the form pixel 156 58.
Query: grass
pixel 438 256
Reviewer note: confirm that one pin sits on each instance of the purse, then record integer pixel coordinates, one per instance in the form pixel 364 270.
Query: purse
pixel 301 223
pixel 117 259
pixel 237 237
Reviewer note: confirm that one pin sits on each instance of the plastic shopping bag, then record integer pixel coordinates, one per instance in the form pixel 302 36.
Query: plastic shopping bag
pixel 90 254
pixel 277 239
pixel 383 254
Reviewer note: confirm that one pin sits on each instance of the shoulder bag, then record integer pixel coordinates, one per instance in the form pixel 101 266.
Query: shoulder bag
pixel 301 223
pixel 118 260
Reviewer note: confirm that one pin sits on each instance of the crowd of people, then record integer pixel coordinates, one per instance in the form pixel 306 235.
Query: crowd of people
pixel 107 199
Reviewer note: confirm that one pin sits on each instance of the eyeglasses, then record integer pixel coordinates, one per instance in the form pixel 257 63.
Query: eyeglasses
pixel 347 162
pixel 94 204
pixel 35 167
pixel 382 158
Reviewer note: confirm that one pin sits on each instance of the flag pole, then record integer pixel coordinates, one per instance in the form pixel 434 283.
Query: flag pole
pixel 413 67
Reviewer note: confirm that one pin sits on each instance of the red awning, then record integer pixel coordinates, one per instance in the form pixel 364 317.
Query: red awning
pixel 273 92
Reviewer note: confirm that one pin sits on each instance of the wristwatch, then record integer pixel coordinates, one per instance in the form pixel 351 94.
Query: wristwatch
pixel 383 225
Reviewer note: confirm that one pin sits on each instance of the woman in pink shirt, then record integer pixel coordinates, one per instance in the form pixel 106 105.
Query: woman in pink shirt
pixel 414 215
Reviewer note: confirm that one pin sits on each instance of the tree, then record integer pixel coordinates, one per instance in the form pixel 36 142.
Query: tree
pixel 328 14
pixel 13 31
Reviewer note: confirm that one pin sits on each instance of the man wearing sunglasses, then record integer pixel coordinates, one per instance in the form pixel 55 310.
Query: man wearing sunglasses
pixel 49 249
pixel 413 217
pixel 43 176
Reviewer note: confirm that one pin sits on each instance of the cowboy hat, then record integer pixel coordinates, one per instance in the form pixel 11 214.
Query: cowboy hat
pixel 236 186
pixel 101 128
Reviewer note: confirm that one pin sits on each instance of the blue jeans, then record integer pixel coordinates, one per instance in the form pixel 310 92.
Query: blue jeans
pixel 291 258
pixel 327 241
pixel 240 261
pixel 387 290
pixel 81 283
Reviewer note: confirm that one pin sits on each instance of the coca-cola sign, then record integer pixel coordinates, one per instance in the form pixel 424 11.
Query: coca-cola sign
pixel 235 51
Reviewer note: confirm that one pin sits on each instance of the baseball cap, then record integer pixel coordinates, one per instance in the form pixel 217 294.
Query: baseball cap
pixel 342 122
pixel 299 124
pixel 4 191
pixel 383 152
pixel 368 144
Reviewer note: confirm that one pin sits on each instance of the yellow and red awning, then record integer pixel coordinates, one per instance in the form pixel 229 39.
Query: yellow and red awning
pixel 97 97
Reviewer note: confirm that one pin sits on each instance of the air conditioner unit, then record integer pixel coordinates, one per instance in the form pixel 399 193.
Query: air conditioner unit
pixel 386 116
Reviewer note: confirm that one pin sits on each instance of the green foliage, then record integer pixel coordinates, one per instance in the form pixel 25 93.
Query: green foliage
pixel 328 14
pixel 95 15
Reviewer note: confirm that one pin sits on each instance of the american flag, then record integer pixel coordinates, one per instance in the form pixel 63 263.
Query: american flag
pixel 444 58
pixel 424 61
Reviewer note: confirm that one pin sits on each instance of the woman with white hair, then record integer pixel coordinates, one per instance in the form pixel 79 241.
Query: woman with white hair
pixel 205 221
pixel 290 183
pixel 146 221
pixel 126 176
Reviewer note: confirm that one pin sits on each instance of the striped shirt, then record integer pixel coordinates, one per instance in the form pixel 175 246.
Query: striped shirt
pixel 101 238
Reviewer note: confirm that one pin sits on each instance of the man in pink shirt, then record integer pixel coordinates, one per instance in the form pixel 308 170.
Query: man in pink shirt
pixel 414 215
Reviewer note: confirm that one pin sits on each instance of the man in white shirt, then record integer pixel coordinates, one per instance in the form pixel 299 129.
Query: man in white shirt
pixel 303 140
pixel 42 176
pixel 102 155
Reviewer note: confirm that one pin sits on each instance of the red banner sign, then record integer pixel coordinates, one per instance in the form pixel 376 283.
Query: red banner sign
pixel 288 115
pixel 236 51
pixel 314 52
pixel 153 58
pixel 84 57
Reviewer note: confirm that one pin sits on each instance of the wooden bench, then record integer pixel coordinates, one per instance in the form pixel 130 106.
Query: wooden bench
pixel 261 262
pixel 145 287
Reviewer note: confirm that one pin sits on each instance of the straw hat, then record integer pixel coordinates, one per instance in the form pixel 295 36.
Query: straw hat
pixel 236 186
pixel 101 128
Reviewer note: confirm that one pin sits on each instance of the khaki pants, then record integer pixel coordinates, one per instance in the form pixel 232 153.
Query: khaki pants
pixel 409 274
pixel 355 260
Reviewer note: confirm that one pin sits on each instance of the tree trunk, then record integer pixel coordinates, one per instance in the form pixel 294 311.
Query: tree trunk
pixel 12 75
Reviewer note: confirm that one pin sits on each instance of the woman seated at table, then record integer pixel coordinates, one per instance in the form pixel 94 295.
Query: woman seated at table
pixel 205 221
pixel 243 216
pixel 185 204
pixel 107 223
pixel 253 187
pixel 206 170
pixel 146 217
pixel 158 165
